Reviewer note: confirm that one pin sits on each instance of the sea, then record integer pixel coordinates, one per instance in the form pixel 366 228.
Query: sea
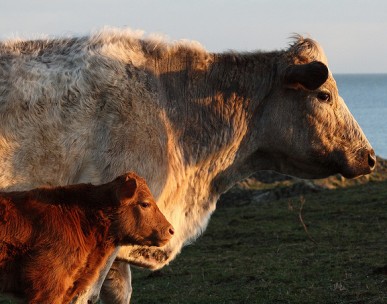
pixel 366 98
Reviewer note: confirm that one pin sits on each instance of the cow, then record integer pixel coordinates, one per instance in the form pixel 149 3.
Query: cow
pixel 54 240
pixel 192 122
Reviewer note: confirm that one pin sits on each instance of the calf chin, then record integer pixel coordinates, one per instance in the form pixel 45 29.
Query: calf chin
pixel 160 242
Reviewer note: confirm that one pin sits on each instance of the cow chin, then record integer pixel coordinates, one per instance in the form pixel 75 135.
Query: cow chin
pixel 306 169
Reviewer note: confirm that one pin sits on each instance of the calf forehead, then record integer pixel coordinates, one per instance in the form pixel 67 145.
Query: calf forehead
pixel 144 194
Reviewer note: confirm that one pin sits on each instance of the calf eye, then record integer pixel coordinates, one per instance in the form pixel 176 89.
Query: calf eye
pixel 144 204
pixel 323 96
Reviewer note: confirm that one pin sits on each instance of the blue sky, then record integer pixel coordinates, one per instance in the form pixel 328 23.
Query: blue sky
pixel 352 32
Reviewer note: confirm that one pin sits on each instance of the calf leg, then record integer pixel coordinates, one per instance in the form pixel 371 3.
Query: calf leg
pixel 43 286
pixel 92 294
pixel 117 287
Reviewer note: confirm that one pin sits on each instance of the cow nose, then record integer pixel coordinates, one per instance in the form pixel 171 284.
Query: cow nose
pixel 171 231
pixel 371 159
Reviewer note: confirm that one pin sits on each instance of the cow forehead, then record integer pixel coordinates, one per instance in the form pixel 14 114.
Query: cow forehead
pixel 304 50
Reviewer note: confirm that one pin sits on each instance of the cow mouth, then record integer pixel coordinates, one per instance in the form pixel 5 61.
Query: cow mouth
pixel 362 163
pixel 353 173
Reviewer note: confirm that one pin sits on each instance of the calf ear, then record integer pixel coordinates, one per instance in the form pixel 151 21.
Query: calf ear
pixel 4 210
pixel 310 75
pixel 129 188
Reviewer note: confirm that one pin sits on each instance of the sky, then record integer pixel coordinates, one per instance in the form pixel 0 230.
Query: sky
pixel 353 33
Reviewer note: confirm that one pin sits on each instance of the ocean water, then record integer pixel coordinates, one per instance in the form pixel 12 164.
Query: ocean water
pixel 366 98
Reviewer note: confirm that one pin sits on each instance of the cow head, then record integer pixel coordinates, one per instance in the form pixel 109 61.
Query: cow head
pixel 306 128
pixel 139 220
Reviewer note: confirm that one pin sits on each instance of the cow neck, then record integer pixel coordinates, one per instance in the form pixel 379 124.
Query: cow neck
pixel 209 102
pixel 211 99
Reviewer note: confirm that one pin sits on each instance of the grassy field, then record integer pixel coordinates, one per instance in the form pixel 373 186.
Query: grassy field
pixel 263 253
pixel 332 250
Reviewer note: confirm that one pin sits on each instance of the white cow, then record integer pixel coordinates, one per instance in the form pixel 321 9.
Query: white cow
pixel 193 123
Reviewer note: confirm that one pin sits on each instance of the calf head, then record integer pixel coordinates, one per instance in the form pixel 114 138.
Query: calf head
pixel 306 126
pixel 138 220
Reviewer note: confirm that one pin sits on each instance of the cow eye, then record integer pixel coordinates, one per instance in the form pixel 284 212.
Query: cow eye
pixel 144 204
pixel 323 96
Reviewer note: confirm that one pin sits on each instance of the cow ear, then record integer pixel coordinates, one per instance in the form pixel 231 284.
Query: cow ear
pixel 309 76
pixel 129 188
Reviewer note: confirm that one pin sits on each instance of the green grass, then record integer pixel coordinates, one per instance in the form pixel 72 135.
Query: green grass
pixel 260 253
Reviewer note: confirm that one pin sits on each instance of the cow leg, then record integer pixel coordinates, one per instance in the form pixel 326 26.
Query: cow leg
pixel 117 287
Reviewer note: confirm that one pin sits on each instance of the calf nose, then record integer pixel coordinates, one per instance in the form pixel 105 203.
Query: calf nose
pixel 372 159
pixel 171 231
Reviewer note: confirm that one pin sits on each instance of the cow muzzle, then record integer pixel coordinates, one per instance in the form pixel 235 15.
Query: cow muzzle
pixel 372 160
pixel 364 162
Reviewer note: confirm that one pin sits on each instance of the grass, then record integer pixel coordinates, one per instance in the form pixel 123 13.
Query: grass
pixel 261 253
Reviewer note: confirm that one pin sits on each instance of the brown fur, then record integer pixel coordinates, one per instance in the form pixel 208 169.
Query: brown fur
pixel 54 241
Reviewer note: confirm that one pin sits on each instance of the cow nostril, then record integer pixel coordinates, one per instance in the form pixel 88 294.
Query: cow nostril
pixel 371 159
pixel 171 231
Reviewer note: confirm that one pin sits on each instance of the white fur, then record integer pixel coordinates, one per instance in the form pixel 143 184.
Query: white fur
pixel 191 122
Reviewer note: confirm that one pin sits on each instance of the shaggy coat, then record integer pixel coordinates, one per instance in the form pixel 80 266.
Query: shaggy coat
pixel 193 123
pixel 54 241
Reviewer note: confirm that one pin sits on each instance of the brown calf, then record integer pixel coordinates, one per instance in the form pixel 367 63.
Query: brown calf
pixel 54 241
